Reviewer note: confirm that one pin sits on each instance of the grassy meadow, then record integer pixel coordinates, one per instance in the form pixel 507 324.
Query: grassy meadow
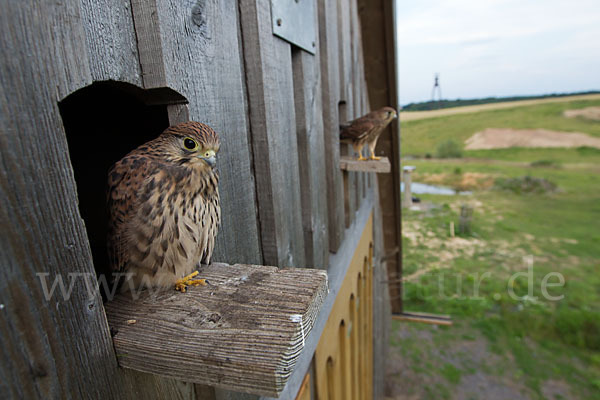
pixel 534 335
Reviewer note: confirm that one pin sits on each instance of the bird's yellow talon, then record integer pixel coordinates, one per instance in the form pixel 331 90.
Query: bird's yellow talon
pixel 182 284
pixel 361 158
pixel 375 158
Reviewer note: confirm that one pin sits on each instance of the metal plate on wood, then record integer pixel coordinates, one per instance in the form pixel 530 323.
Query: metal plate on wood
pixel 295 22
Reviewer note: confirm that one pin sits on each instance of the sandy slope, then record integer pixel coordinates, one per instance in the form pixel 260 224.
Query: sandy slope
pixel 492 138
pixel 592 113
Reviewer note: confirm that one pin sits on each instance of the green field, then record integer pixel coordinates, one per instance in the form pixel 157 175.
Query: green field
pixel 512 337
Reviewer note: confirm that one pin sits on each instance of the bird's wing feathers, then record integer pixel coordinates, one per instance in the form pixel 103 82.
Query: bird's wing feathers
pixel 125 181
pixel 358 129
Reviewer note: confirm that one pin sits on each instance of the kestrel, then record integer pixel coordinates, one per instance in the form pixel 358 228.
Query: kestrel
pixel 366 130
pixel 163 204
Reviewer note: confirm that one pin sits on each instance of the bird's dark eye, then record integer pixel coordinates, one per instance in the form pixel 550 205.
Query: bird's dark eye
pixel 190 144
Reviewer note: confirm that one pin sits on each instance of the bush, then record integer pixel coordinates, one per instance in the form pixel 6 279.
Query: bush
pixel 545 163
pixel 578 328
pixel 525 184
pixel 449 149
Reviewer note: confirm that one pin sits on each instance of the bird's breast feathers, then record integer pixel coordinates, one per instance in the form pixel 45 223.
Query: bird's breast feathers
pixel 174 225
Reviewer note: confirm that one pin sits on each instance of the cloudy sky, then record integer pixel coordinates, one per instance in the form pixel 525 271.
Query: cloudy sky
pixel 485 48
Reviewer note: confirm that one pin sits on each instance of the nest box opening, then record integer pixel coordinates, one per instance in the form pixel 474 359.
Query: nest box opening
pixel 103 122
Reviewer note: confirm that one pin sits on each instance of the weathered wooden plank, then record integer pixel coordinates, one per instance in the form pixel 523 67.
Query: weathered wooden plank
pixel 150 48
pixel 273 131
pixel 370 178
pixel 45 239
pixel 328 40
pixel 357 76
pixel 378 166
pixel 178 113
pixel 345 57
pixel 243 331
pixel 346 110
pixel 201 48
pixel 424 319
pixel 111 40
pixel 55 347
pixel 311 156
pixel 381 303
pixel 348 197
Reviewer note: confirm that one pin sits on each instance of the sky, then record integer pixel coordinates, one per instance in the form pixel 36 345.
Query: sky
pixel 497 48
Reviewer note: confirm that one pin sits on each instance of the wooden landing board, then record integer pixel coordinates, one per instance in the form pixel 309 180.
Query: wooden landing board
pixel 243 331
pixel 350 163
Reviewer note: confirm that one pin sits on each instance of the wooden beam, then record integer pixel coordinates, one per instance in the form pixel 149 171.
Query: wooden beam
pixel 348 163
pixel 425 318
pixel 379 45
pixel 243 331
pixel 147 32
pixel 111 41
pixel 311 156
pixel 269 81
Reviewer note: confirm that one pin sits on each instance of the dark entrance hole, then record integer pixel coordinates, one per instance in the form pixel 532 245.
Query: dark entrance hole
pixel 104 122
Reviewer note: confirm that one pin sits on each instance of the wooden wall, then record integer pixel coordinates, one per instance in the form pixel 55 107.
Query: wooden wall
pixel 277 109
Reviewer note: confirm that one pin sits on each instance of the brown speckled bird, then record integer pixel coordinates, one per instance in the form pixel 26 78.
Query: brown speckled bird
pixel 366 130
pixel 163 204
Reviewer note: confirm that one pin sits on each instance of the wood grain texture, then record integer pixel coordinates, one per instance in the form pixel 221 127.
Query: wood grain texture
pixel 377 166
pixel 377 22
pixel 202 52
pixel 55 348
pixel 311 157
pixel 347 111
pixel 328 51
pixel 370 179
pixel 381 302
pixel 150 48
pixel 357 88
pixel 269 82
pixel 111 41
pixel 243 331
pixel 178 113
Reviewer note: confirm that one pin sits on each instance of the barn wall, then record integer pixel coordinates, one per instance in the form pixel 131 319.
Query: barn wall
pixel 277 109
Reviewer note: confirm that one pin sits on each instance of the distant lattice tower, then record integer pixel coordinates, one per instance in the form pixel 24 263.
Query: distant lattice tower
pixel 436 88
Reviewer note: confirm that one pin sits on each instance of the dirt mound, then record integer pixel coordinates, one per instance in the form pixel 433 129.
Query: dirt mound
pixel 592 113
pixel 492 138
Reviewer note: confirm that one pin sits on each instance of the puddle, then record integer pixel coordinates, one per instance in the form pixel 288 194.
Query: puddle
pixel 422 188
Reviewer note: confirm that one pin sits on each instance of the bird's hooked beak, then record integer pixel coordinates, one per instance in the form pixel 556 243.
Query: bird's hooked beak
pixel 210 157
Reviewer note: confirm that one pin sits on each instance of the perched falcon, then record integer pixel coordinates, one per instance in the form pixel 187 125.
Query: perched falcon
pixel 163 205
pixel 366 130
